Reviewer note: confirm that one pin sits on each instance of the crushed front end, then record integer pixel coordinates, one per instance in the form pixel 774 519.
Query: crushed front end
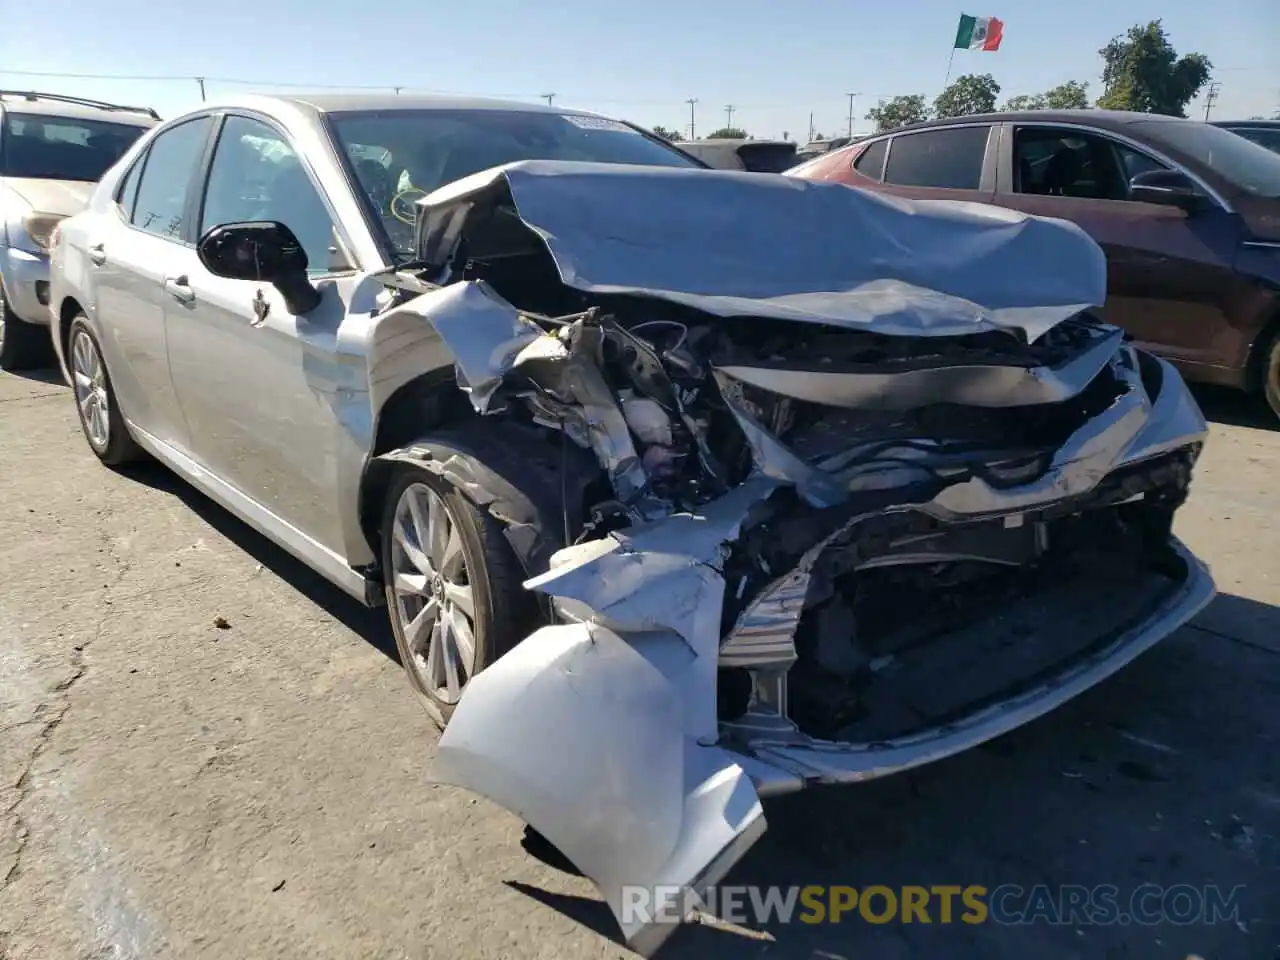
pixel 845 523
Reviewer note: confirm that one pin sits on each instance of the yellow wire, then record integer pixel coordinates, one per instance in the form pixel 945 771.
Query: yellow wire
pixel 410 220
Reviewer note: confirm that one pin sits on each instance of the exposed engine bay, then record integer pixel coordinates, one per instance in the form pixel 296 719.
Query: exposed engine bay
pixel 883 520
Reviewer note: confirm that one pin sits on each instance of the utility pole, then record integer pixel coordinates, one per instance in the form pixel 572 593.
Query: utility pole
pixel 692 132
pixel 200 80
pixel 811 126
pixel 850 96
pixel 548 97
pixel 1210 96
pixel 397 90
pixel 728 114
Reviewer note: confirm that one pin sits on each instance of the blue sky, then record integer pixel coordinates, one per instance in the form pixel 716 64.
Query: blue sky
pixel 775 62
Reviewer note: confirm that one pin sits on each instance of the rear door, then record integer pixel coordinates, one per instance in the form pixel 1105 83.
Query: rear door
pixel 1170 276
pixel 131 249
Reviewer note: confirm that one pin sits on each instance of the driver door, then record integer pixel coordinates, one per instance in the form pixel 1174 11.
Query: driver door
pixel 1170 279
pixel 256 384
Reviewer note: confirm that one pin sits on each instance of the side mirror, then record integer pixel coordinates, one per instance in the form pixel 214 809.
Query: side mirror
pixel 1168 187
pixel 263 251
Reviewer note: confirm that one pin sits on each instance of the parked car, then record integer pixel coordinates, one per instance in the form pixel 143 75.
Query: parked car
pixel 815 148
pixel 1188 214
pixel 683 487
pixel 756 156
pixel 1263 132
pixel 52 149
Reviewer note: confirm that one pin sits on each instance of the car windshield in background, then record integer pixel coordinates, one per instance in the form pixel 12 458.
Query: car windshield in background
pixel 1246 164
pixel 401 155
pixel 61 148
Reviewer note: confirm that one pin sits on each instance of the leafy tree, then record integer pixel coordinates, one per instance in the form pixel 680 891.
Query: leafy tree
pixel 972 93
pixel 1141 71
pixel 728 133
pixel 1025 101
pixel 1072 95
pixel 668 134
pixel 898 112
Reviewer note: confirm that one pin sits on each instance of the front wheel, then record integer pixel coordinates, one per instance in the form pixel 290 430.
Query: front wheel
pixel 454 586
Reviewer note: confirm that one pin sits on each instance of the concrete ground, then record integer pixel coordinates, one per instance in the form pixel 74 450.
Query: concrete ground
pixel 172 789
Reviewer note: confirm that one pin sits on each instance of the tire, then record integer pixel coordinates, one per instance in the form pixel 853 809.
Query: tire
pixel 100 419
pixel 503 612
pixel 1271 373
pixel 23 346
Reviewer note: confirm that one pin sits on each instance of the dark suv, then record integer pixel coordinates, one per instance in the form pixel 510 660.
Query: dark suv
pixel 1187 212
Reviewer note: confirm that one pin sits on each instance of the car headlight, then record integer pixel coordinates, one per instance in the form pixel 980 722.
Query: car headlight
pixel 40 226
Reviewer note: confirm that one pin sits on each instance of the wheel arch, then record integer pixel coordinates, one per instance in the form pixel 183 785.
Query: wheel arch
pixel 1258 351
pixel 68 310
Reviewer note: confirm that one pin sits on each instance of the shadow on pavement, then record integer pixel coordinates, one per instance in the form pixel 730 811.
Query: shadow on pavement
pixel 50 375
pixel 370 623
pixel 1234 407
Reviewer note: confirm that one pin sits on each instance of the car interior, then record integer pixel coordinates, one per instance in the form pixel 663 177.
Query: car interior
pixel 1067 164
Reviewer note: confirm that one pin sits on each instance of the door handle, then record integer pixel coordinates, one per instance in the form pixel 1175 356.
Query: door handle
pixel 98 254
pixel 179 289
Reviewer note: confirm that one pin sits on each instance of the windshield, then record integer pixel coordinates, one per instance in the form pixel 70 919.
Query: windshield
pixel 61 148
pixel 401 155
pixel 1246 164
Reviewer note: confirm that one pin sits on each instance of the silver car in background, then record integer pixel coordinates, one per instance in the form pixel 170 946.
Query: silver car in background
pixel 53 148
pixel 684 488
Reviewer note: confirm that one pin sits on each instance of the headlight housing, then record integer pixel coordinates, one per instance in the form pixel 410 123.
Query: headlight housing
pixel 39 227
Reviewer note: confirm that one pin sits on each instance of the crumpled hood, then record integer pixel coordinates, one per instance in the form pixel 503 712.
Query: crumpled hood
pixel 62 197
pixel 759 245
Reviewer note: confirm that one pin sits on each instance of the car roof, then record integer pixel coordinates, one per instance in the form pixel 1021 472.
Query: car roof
pixel 1115 119
pixel 33 103
pixel 1265 124
pixel 331 102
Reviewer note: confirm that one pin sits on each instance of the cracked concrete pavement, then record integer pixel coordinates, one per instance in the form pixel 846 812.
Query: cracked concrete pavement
pixel 172 789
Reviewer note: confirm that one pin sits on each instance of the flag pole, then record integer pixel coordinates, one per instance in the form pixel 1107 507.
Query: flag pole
pixel 950 60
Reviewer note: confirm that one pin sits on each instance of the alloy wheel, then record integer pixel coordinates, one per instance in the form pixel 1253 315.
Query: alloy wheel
pixel 90 382
pixel 4 309
pixel 434 600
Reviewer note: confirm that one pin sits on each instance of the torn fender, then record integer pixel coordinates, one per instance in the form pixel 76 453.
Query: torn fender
pixel 580 732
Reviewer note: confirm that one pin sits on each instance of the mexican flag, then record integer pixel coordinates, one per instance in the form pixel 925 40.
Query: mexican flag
pixel 979 33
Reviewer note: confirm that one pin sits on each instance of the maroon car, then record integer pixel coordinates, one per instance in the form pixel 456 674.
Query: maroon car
pixel 1187 212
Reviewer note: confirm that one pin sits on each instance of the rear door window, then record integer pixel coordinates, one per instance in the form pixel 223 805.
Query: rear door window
pixel 950 158
pixel 870 162
pixel 171 165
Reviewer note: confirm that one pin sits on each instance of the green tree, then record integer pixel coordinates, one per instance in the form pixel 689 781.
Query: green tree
pixel 1072 95
pixel 1025 101
pixel 972 93
pixel 898 112
pixel 667 134
pixel 727 133
pixel 1141 71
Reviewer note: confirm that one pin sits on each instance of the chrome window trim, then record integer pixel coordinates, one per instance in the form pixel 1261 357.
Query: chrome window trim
pixel 1132 144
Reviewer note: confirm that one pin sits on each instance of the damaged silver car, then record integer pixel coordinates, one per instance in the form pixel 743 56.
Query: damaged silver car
pixel 685 488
